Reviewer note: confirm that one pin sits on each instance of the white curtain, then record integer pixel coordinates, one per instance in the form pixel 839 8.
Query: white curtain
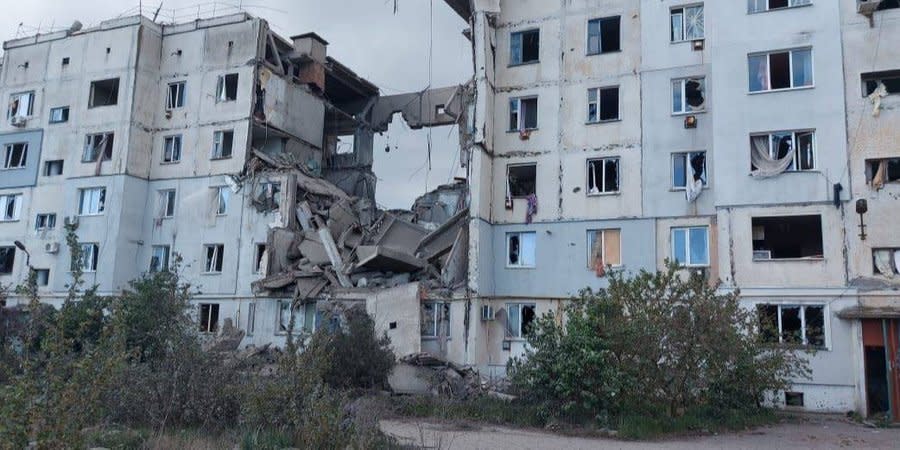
pixel 880 176
pixel 897 260
pixel 767 167
pixel 883 262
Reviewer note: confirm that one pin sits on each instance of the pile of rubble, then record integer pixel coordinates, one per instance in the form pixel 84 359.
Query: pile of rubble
pixel 326 239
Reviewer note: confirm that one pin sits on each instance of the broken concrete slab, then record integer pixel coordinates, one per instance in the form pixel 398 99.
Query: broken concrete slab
pixel 375 257
pixel 313 249
pixel 441 240
pixel 398 235
pixel 341 217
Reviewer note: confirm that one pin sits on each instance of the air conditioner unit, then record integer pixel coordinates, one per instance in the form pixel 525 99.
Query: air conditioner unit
pixel 762 254
pixel 17 121
pixel 867 7
pixel 71 221
pixel 487 313
pixel 51 247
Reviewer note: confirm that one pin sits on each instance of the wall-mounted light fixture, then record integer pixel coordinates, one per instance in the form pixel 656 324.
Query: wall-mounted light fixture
pixel 862 207
pixel 690 122
pixel 697 45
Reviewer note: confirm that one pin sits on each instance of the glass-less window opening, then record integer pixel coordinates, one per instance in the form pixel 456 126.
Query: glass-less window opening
pixel 786 69
pixel 604 35
pixel 755 6
pixel 800 146
pixel 792 324
pixel 688 95
pixel 524 47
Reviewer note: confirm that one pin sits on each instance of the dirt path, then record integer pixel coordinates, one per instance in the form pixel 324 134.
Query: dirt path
pixel 819 432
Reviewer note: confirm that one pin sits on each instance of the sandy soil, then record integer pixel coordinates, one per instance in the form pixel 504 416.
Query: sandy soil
pixel 818 432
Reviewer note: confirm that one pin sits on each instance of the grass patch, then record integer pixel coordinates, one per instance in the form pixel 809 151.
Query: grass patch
pixel 637 427
pixel 483 409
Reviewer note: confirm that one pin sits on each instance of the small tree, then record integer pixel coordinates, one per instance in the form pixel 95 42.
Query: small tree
pixel 653 342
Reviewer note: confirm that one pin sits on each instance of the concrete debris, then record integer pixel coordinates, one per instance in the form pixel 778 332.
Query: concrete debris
pixel 448 379
pixel 228 340
pixel 332 241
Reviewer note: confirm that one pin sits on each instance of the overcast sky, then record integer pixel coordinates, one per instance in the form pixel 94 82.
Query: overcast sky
pixel 387 49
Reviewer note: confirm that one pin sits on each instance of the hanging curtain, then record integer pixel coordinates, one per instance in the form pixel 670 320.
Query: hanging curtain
pixel 880 176
pixel 883 262
pixel 897 260
pixel 532 208
pixel 694 183
pixel 767 167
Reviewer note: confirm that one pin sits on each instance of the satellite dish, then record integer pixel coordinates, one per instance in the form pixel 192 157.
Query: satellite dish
pixel 76 26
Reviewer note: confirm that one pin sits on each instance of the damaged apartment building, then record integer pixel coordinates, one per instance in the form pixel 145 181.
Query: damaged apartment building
pixel 752 142
pixel 217 142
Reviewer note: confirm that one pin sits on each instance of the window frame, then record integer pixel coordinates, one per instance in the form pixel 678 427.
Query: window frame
pixel 92 97
pixel 222 87
pixel 64 113
pixel 780 8
pixel 597 103
pixel 509 187
pixel 180 97
pixel 166 256
pixel 773 152
pixel 16 200
pixel 520 264
pixel 219 145
pixel 8 156
pixel 683 38
pixel 878 77
pixel 92 141
pixel 168 201
pixel 11 251
pixel 790 51
pixel 600 21
pixel 213 264
pixel 28 112
pixel 895 268
pixel 172 149
pixel 222 198
pixel 101 201
pixel 603 191
pixel 684 105
pixel 45 221
pixel 90 257
pixel 301 326
pixel 520 117
pixel 440 312
pixel 521 34
pixel 687 246
pixel 521 334
pixel 591 238
pixel 259 249
pixel 687 164
pixel 213 310
pixel 826 341
pixel 48 164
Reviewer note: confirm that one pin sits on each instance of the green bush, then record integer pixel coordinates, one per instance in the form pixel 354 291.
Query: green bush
pixel 653 343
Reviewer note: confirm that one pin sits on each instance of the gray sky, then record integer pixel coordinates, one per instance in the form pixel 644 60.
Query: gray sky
pixel 388 50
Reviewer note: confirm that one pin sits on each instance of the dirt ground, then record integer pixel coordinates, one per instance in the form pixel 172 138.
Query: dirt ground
pixel 808 432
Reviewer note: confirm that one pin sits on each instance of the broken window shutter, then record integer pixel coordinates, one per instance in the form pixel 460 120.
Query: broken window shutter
pixel 612 247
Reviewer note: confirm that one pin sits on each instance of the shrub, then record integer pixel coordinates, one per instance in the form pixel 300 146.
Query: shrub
pixel 358 358
pixel 654 342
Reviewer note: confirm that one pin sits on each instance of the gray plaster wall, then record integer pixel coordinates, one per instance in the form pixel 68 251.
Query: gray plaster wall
pixel 25 176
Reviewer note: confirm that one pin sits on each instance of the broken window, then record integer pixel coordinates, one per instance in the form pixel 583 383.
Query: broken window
pixel 688 95
pixel 799 146
pixel 209 317
pixel 7 259
pixel 307 323
pixel 521 180
pixel 91 201
pixel 604 35
pixel 872 80
pixel 604 248
pixel 886 261
pixel 159 259
pixel 20 105
pixel 787 237
pixel 172 149
pixel 345 145
pixel 45 222
pixel 259 258
pixel 688 166
pixel 59 115
pixel 53 168
pixel 215 254
pixel 687 23
pixel 519 319
pixel 222 144
pixel 690 246
pixel 226 88
pixel 90 253
pixel 520 249
pixel 603 176
pixel 175 96
pixel 755 6
pixel 792 324
pixel 793 399
pixel 42 277
pixel 167 203
pixel 268 196
pixel 96 145
pixel 603 104
pixel 888 4
pixel 881 171
pixel 524 47
pixel 16 156
pixel 523 113
pixel 780 70
pixel 10 207
pixel 435 319
pixel 221 198
pixel 104 93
